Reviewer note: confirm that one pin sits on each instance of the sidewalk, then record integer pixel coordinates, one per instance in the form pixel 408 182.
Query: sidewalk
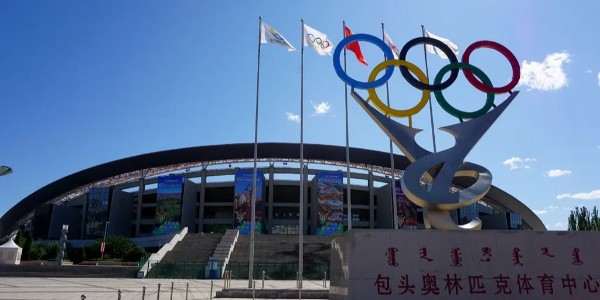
pixel 20 288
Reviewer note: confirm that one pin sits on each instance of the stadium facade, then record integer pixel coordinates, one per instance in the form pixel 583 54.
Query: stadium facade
pixel 208 189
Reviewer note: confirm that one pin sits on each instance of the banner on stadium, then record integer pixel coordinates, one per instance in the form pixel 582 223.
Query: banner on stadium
pixel 168 205
pixel 96 212
pixel 407 211
pixel 330 203
pixel 242 205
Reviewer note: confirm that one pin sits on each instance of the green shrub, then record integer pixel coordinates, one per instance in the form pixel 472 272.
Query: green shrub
pixel 50 251
pixel 92 250
pixel 118 246
pixel 37 251
pixel 43 251
pixel 76 255
pixel 135 254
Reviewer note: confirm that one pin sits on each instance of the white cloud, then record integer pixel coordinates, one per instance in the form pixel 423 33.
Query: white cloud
pixel 321 108
pixel 589 71
pixel 545 210
pixel 598 78
pixel 598 147
pixel 292 117
pixel 583 196
pixel 518 163
pixel 558 173
pixel 558 226
pixel 547 75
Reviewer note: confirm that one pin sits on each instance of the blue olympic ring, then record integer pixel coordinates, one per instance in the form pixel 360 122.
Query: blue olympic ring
pixel 365 38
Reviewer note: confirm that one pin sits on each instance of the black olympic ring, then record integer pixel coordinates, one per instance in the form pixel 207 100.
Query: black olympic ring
pixel 440 45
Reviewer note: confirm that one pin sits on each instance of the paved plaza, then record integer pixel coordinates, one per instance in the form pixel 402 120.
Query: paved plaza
pixel 107 288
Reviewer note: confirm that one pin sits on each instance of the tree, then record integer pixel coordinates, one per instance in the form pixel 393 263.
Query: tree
pixel 27 247
pixel 20 238
pixel 118 246
pixel 581 219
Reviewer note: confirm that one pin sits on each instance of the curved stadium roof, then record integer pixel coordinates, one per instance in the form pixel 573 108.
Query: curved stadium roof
pixel 131 168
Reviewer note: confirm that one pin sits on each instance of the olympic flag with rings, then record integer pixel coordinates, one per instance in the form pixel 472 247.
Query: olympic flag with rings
pixel 317 40
pixel 439 169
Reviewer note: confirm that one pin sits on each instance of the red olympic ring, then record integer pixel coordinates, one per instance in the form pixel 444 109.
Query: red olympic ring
pixel 514 64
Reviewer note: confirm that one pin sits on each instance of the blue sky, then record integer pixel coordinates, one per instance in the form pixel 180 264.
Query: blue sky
pixel 88 82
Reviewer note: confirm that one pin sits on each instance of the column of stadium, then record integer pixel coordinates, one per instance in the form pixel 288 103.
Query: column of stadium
pixel 354 47
pixel 266 35
pixel 323 46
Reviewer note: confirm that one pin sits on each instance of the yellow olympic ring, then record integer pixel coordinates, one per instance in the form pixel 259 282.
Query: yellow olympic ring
pixel 399 113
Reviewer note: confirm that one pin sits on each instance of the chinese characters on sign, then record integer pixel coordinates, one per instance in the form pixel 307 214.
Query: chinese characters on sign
pixel 453 285
pixel 475 265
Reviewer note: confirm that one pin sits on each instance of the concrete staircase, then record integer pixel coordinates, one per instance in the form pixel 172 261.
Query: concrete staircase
pixel 195 247
pixel 156 258
pixel 224 249
pixel 277 257
pixel 282 249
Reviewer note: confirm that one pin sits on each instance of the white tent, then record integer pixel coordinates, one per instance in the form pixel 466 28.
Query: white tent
pixel 10 253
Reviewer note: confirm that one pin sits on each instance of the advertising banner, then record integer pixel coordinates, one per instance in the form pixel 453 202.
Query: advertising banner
pixel 242 205
pixel 330 204
pixel 168 205
pixel 96 212
pixel 407 211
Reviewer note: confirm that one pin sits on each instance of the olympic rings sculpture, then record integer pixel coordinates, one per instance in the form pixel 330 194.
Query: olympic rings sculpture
pixel 474 75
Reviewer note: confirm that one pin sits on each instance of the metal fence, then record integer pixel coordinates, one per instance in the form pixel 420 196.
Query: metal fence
pixel 238 270
pixel 170 291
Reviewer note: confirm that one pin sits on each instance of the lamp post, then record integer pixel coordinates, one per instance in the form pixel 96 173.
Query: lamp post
pixel 4 170
pixel 103 245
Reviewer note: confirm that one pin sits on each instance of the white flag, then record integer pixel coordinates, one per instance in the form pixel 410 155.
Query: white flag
pixel 434 50
pixel 317 40
pixel 270 35
pixel 388 41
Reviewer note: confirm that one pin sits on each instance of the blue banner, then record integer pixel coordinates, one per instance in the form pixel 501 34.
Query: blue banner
pixel 330 203
pixel 242 205
pixel 168 205
pixel 96 212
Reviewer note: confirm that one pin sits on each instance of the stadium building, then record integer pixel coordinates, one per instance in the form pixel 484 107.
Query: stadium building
pixel 208 189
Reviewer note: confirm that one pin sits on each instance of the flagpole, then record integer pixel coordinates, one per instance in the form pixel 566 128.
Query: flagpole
pixel 301 221
pixel 429 100
pixel 392 167
pixel 348 194
pixel 425 213
pixel 253 198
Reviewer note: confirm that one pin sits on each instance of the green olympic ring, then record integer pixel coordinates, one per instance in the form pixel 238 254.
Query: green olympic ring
pixel 489 102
